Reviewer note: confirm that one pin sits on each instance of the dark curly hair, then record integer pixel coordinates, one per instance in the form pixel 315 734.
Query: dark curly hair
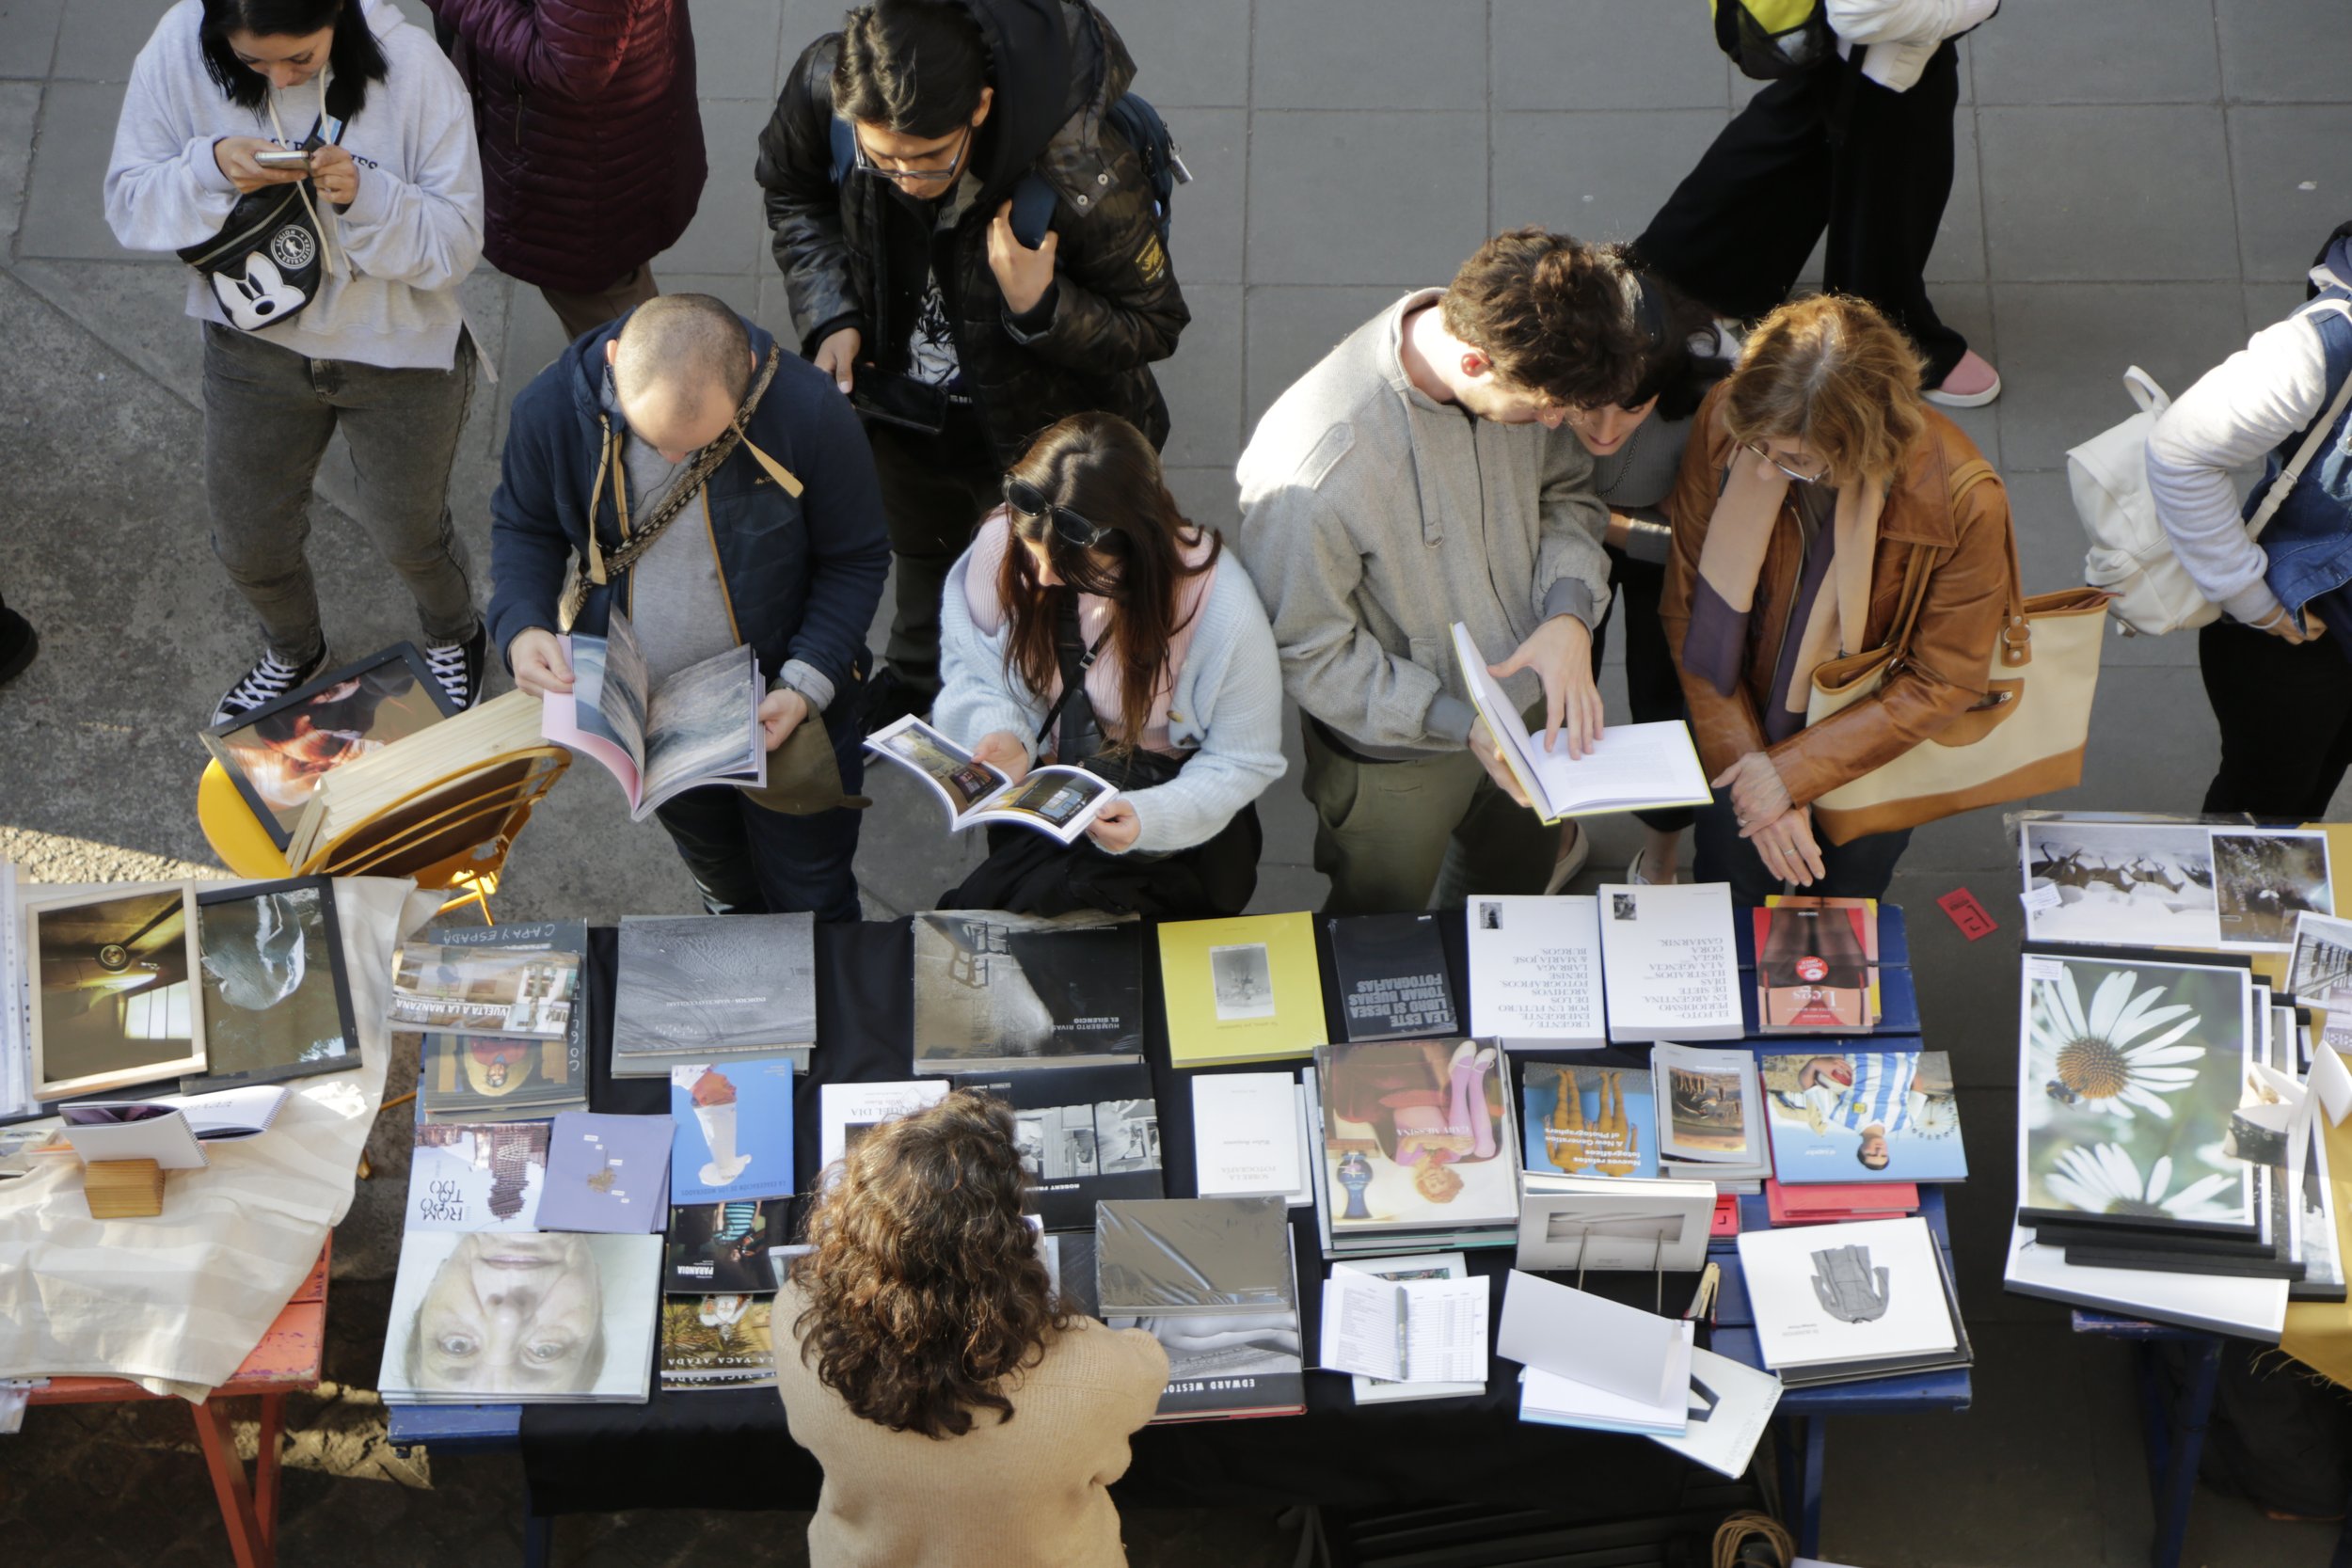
pixel 1553 314
pixel 925 1289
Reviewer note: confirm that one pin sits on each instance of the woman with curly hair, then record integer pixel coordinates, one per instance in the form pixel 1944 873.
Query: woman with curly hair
pixel 961 1414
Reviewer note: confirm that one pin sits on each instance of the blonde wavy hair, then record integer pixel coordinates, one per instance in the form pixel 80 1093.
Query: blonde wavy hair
pixel 1832 373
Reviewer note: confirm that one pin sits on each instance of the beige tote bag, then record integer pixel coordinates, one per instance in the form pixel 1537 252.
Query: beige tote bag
pixel 2025 737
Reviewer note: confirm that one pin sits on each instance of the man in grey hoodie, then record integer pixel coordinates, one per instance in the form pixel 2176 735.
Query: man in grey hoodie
pixel 1420 475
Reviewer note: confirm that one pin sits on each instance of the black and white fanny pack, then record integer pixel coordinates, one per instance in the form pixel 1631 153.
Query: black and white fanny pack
pixel 269 258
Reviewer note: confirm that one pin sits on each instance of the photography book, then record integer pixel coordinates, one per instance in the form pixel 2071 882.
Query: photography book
pixel 1589 1120
pixel 996 992
pixel 2320 972
pixel 574 1321
pixel 1863 1116
pixel 2129 1075
pixel 390 790
pixel 1431 1330
pixel 1249 1136
pixel 1535 972
pixel 1213 1280
pixel 1710 1112
pixel 1550 1399
pixel 484 1078
pixel 277 755
pixel 1573 1224
pixel 606 1173
pixel 487 1176
pixel 1839 1301
pixel 846 1112
pixel 700 989
pixel 1392 976
pixel 276 1001
pixel 176 1132
pixel 1057 800
pixel 1817 965
pixel 721 1341
pixel 700 726
pixel 732 1131
pixel 736 1245
pixel 1434 1265
pixel 1085 1134
pixel 1668 963
pixel 112 975
pixel 1630 766
pixel 1589 1339
pixel 1417 1136
pixel 1239 991
pixel 515 982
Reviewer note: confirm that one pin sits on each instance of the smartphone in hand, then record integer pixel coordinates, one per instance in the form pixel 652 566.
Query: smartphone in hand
pixel 292 157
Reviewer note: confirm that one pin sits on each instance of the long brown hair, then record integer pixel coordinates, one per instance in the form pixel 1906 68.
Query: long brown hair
pixel 1831 372
pixel 1101 468
pixel 924 1289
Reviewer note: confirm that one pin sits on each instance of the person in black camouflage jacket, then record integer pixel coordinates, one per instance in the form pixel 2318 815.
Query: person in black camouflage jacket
pixel 956 342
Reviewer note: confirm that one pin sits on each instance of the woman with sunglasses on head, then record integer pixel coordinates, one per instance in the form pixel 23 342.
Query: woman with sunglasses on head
pixel 1090 621
pixel 1813 473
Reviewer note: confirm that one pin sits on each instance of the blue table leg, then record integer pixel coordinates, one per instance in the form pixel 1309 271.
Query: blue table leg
pixel 1816 1435
pixel 2176 1440
pixel 538 1533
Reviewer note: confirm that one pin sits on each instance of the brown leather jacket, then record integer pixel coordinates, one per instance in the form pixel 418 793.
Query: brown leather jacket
pixel 1952 650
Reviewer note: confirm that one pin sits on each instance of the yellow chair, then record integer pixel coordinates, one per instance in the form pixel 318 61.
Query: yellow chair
pixel 453 834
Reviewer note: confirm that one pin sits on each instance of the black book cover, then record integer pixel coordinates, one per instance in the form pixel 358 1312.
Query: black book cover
pixel 2252 1265
pixel 726 1248
pixel 1085 1134
pixel 1392 977
pixel 994 989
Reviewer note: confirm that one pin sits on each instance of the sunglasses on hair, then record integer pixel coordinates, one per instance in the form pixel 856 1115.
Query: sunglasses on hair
pixel 1032 512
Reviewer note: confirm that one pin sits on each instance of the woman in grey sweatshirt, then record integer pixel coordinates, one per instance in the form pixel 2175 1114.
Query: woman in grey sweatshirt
pixel 389 219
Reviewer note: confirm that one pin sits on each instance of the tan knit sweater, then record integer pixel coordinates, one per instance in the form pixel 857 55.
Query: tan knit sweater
pixel 1027 1493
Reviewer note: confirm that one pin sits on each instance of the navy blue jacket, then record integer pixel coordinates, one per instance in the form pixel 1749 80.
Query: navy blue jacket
pixel 801 576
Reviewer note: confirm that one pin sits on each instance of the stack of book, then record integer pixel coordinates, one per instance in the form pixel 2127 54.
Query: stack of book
pixel 388 780
pixel 1392 978
pixel 1843 1118
pixel 506 1027
pixel 1670 963
pixel 1843 1303
pixel 1214 1281
pixel 1536 973
pixel 1710 1122
pixel 1817 965
pixel 997 992
pixel 713 988
pixel 1418 1148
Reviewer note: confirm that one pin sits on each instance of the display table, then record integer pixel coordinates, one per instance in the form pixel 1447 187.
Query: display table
pixel 732 1450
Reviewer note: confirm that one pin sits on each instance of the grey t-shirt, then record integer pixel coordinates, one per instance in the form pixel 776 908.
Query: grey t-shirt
pixel 676 606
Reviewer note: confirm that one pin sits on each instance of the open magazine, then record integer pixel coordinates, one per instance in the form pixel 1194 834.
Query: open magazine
pixel 698 727
pixel 1631 767
pixel 1057 802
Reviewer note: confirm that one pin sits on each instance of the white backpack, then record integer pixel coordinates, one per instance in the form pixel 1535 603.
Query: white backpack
pixel 2131 556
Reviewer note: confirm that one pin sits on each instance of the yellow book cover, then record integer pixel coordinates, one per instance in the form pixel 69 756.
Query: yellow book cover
pixel 1246 990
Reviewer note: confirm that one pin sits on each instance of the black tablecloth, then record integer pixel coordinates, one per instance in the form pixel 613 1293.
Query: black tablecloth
pixel 731 1448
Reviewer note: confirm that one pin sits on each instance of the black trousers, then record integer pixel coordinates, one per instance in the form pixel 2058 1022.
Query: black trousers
pixel 1830 147
pixel 935 490
pixel 1861 869
pixel 1653 690
pixel 748 860
pixel 2285 712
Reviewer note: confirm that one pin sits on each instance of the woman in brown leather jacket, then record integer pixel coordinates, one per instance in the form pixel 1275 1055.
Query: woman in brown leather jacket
pixel 1815 470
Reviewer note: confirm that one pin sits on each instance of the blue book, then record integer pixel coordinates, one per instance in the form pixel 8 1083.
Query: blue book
pixel 607 1174
pixel 1612 1130
pixel 734 1137
pixel 1841 1115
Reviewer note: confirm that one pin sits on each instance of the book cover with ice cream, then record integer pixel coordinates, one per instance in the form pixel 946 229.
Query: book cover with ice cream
pixel 734 1137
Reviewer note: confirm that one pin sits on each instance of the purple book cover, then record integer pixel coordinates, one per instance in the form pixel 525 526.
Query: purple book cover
pixel 606 1173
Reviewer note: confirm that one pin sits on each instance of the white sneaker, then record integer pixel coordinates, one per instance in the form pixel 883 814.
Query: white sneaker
pixel 1563 870
pixel 1633 871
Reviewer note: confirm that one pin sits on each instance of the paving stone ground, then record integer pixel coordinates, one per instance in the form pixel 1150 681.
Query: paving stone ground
pixel 2139 181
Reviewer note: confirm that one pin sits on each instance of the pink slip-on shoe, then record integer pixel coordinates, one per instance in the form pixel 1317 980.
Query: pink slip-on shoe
pixel 1972 384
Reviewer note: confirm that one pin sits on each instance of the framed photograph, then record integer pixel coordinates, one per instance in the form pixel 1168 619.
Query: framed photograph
pixel 276 755
pixel 2119 884
pixel 2263 878
pixel 115 997
pixel 2320 974
pixel 276 1001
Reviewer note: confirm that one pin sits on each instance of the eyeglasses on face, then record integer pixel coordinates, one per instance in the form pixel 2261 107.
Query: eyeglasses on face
pixel 868 163
pixel 1815 477
pixel 1031 514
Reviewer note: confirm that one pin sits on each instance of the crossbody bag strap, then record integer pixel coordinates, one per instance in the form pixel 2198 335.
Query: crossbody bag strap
pixel 689 483
pixel 1074 665
pixel 2313 442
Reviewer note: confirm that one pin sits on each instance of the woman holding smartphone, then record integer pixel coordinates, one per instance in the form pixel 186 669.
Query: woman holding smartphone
pixel 1090 621
pixel 336 309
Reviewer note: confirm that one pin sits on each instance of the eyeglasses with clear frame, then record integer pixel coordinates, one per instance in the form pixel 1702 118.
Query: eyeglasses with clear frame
pixel 1814 478
pixel 867 164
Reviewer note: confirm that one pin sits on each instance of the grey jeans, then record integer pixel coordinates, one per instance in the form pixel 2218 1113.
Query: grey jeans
pixel 268 412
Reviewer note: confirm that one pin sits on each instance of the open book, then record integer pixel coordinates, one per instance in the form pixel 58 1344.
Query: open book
pixel 700 726
pixel 1631 767
pixel 1058 801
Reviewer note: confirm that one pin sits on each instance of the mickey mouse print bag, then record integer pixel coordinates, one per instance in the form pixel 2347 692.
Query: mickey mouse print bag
pixel 268 259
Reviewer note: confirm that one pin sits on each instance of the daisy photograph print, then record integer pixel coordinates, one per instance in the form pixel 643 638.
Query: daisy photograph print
pixel 2129 1077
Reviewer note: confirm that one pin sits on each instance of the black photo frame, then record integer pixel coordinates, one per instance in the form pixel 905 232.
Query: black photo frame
pixel 226 1022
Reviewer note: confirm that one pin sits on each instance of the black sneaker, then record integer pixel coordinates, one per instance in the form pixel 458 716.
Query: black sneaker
pixel 19 642
pixel 265 683
pixel 457 667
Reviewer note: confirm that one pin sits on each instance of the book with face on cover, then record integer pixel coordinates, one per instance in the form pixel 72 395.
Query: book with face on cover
pixel 1841 1116
pixel 521 1318
pixel 996 992
pixel 1668 963
pixel 1392 977
pixel 1535 972
pixel 487 1176
pixel 733 1136
pixel 1245 990
pixel 703 988
pixel 699 726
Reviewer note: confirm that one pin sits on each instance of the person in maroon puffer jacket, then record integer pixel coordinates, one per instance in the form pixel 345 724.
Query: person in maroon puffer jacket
pixel 592 142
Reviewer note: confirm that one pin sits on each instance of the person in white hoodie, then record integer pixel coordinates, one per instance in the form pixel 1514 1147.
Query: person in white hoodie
pixel 1861 143
pixel 341 311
